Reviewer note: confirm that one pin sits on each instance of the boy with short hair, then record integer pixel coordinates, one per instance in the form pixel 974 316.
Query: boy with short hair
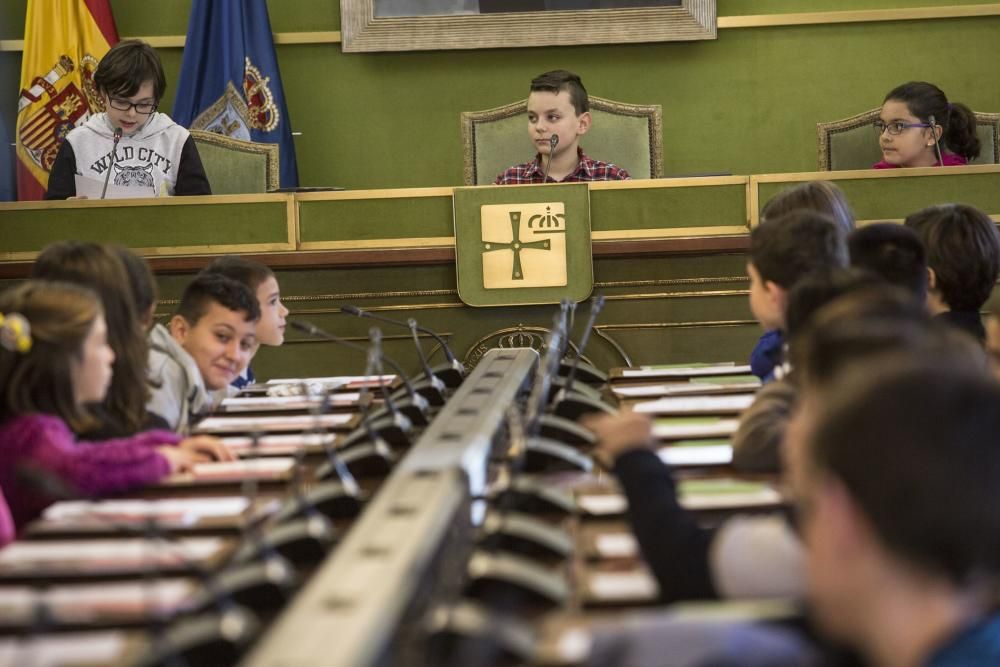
pixel 781 253
pixel 892 251
pixel 963 260
pixel 262 281
pixel 894 473
pixel 153 155
pixel 209 342
pixel 558 115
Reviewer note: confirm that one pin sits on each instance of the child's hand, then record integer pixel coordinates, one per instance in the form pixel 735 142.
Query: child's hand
pixel 180 460
pixel 205 448
pixel 620 433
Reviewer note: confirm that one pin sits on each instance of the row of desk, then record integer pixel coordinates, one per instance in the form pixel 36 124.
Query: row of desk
pixel 461 542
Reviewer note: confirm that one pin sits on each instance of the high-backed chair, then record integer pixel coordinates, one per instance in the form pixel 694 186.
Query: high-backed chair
pixel 850 143
pixel 629 135
pixel 234 166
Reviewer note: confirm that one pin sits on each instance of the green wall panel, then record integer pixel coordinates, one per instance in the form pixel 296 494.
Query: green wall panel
pixel 360 219
pixel 893 198
pixel 745 103
pixel 146 226
pixel 654 208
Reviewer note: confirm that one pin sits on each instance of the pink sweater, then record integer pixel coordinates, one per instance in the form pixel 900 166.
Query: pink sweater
pixel 6 522
pixel 45 444
pixel 947 160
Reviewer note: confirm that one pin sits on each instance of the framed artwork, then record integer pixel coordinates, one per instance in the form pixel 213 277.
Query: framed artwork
pixel 429 25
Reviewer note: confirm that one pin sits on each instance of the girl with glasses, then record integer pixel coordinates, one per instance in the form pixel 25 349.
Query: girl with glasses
pixel 918 127
pixel 138 151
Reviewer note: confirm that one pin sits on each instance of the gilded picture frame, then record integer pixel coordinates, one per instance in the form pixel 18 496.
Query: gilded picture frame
pixel 362 31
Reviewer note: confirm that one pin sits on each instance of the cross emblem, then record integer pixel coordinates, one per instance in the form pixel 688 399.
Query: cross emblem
pixel 516 245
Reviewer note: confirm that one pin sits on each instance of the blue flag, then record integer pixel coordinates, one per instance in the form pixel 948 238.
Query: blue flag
pixel 229 81
pixel 8 184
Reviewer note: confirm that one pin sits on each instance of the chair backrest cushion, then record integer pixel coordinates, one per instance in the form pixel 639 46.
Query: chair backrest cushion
pixel 851 143
pixel 234 166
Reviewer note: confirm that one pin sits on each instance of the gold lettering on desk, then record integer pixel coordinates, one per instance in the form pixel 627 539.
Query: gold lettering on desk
pixel 524 245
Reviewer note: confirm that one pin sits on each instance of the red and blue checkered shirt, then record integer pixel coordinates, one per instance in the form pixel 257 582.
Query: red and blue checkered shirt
pixel 586 170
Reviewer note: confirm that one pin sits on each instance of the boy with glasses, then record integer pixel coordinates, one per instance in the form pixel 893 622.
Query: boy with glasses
pixel 147 153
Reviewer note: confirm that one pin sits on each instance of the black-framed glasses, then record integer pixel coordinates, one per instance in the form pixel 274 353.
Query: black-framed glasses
pixel 895 128
pixel 144 108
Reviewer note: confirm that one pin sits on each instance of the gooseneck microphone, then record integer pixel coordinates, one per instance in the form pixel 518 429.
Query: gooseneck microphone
pixel 451 375
pixel 114 158
pixel 412 408
pixel 937 145
pixel 553 142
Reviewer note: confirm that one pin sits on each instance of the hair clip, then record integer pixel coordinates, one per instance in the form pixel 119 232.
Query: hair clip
pixel 15 333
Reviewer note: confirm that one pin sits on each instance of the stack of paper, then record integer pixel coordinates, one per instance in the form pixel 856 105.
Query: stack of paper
pixel 271 424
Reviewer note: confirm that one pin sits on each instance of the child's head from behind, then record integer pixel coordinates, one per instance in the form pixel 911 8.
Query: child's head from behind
pixel 912 114
pixel 131 83
pixel 783 251
pixel 143 284
pixel 817 196
pixel 963 255
pixel 892 251
pixel 263 283
pixel 65 361
pixel 100 268
pixel 929 426
pixel 215 324
pixel 557 105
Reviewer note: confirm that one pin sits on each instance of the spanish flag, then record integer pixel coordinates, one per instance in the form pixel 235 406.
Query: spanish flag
pixel 63 42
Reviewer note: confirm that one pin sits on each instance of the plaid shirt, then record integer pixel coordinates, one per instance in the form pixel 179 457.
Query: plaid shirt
pixel 586 170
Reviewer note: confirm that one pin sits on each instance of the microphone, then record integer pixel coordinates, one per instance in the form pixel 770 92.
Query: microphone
pixel 393 428
pixel 571 404
pixel 553 142
pixel 451 375
pixel 937 146
pixel 114 157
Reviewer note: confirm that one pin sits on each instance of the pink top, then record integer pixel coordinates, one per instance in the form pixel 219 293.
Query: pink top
pixel 6 522
pixel 947 160
pixel 40 460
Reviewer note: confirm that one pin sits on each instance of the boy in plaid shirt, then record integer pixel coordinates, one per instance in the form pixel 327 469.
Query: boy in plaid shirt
pixel 558 107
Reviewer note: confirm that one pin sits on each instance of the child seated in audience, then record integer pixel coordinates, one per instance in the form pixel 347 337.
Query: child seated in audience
pixel 819 196
pixel 892 251
pixel 963 260
pixel 760 556
pixel 918 127
pixel 993 336
pixel 262 281
pixel 143 282
pixel 54 360
pixel 208 343
pixel 558 107
pixel 782 251
pixel 895 475
pixel 99 267
pixel 154 155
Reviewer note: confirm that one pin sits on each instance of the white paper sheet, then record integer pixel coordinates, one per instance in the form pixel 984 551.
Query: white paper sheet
pixel 115 554
pixel 282 443
pixel 694 428
pixel 262 403
pixel 616 545
pixel 686 371
pixel 91 189
pixel 692 388
pixel 613 586
pixel 102 647
pixel 726 404
pixel 708 455
pixel 276 423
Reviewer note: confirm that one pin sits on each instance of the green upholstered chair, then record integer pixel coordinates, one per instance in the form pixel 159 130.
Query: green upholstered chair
pixel 850 143
pixel 234 166
pixel 629 135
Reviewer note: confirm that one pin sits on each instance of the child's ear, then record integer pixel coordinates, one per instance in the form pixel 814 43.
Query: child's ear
pixel 931 280
pixel 179 328
pixel 583 122
pixel 778 294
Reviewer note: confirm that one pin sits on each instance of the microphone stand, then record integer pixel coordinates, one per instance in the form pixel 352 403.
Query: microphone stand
pixel 553 142
pixel 114 158
pixel 451 374
pixel 572 404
